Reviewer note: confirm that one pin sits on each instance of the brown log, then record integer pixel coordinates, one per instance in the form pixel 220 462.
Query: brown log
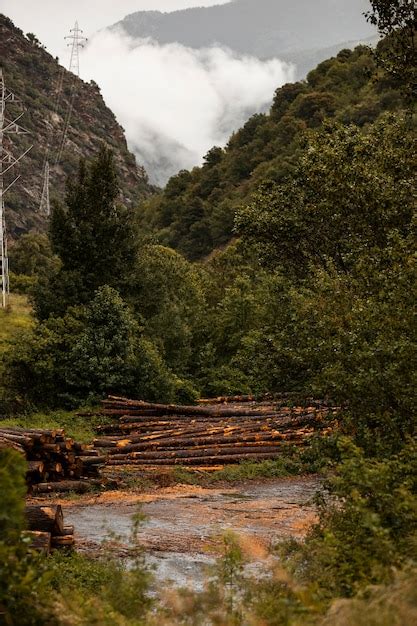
pixel 12 445
pixel 36 467
pixel 172 409
pixel 218 444
pixel 24 441
pixel 209 451
pixel 78 486
pixel 202 460
pixel 88 453
pixel 45 518
pixel 68 530
pixel 39 541
pixel 92 460
pixel 64 541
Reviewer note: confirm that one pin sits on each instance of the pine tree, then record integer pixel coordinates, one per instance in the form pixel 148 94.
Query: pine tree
pixel 93 236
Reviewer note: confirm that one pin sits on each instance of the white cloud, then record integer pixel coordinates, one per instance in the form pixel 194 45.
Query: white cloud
pixel 176 102
pixel 51 20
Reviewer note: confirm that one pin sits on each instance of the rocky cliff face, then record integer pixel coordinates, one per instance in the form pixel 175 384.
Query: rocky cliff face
pixel 34 75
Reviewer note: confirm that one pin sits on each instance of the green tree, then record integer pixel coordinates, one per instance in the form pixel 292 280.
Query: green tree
pixel 93 236
pixel 32 255
pixel 91 351
pixel 167 293
pixel 351 191
pixel 397 21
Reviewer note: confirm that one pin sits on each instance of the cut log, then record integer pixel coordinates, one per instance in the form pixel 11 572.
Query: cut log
pixel 202 460
pixel 39 541
pixel 64 541
pixel 78 486
pixel 172 409
pixel 12 445
pixel 45 518
pixel 36 467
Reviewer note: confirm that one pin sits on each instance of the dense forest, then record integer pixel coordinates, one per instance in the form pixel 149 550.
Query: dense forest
pixel 195 212
pixel 285 263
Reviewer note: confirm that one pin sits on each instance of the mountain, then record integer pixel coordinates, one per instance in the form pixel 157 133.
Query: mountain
pixel 195 212
pixel 34 75
pixel 288 29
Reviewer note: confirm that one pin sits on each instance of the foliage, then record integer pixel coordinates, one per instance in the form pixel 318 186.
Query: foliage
pixel 91 351
pixel 342 230
pixel 93 237
pixel 367 523
pixel 397 20
pixel 167 293
pixel 316 220
pixel 22 577
pixel 31 255
pixel 102 591
pixel 194 213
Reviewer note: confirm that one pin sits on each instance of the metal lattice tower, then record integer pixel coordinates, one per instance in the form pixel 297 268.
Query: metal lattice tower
pixel 7 162
pixel 77 41
pixel 44 206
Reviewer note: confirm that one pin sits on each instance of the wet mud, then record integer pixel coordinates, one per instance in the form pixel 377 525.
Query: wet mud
pixel 182 529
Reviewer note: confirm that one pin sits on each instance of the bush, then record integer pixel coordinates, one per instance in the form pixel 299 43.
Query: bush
pixel 367 526
pixel 22 575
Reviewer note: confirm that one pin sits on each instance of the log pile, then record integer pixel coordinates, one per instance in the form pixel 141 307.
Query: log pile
pixel 46 528
pixel 55 462
pixel 206 435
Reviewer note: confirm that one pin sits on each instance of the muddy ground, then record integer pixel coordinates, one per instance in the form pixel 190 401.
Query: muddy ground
pixel 183 525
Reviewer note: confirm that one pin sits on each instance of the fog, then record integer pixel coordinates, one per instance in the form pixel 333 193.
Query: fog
pixel 51 20
pixel 175 102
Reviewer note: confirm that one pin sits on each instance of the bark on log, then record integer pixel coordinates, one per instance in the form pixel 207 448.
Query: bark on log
pixel 64 541
pixel 209 451
pixel 78 486
pixel 172 409
pixel 36 467
pixel 11 445
pixel 203 460
pixel 45 518
pixel 39 541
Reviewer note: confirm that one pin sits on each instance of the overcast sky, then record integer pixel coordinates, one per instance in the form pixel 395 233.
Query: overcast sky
pixel 51 20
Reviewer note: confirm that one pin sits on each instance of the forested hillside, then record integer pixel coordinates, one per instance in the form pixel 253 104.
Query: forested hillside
pixel 195 212
pixel 35 76
pixel 292 30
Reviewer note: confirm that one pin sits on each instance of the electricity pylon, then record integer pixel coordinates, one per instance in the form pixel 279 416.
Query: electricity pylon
pixel 77 41
pixel 7 162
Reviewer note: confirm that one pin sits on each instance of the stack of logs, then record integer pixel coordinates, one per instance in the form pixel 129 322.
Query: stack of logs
pixel 55 462
pixel 211 434
pixel 46 529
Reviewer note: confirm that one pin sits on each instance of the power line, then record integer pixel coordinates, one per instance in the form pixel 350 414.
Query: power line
pixel 8 126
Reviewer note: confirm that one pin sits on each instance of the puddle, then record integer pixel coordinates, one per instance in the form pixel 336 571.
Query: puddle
pixel 182 531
